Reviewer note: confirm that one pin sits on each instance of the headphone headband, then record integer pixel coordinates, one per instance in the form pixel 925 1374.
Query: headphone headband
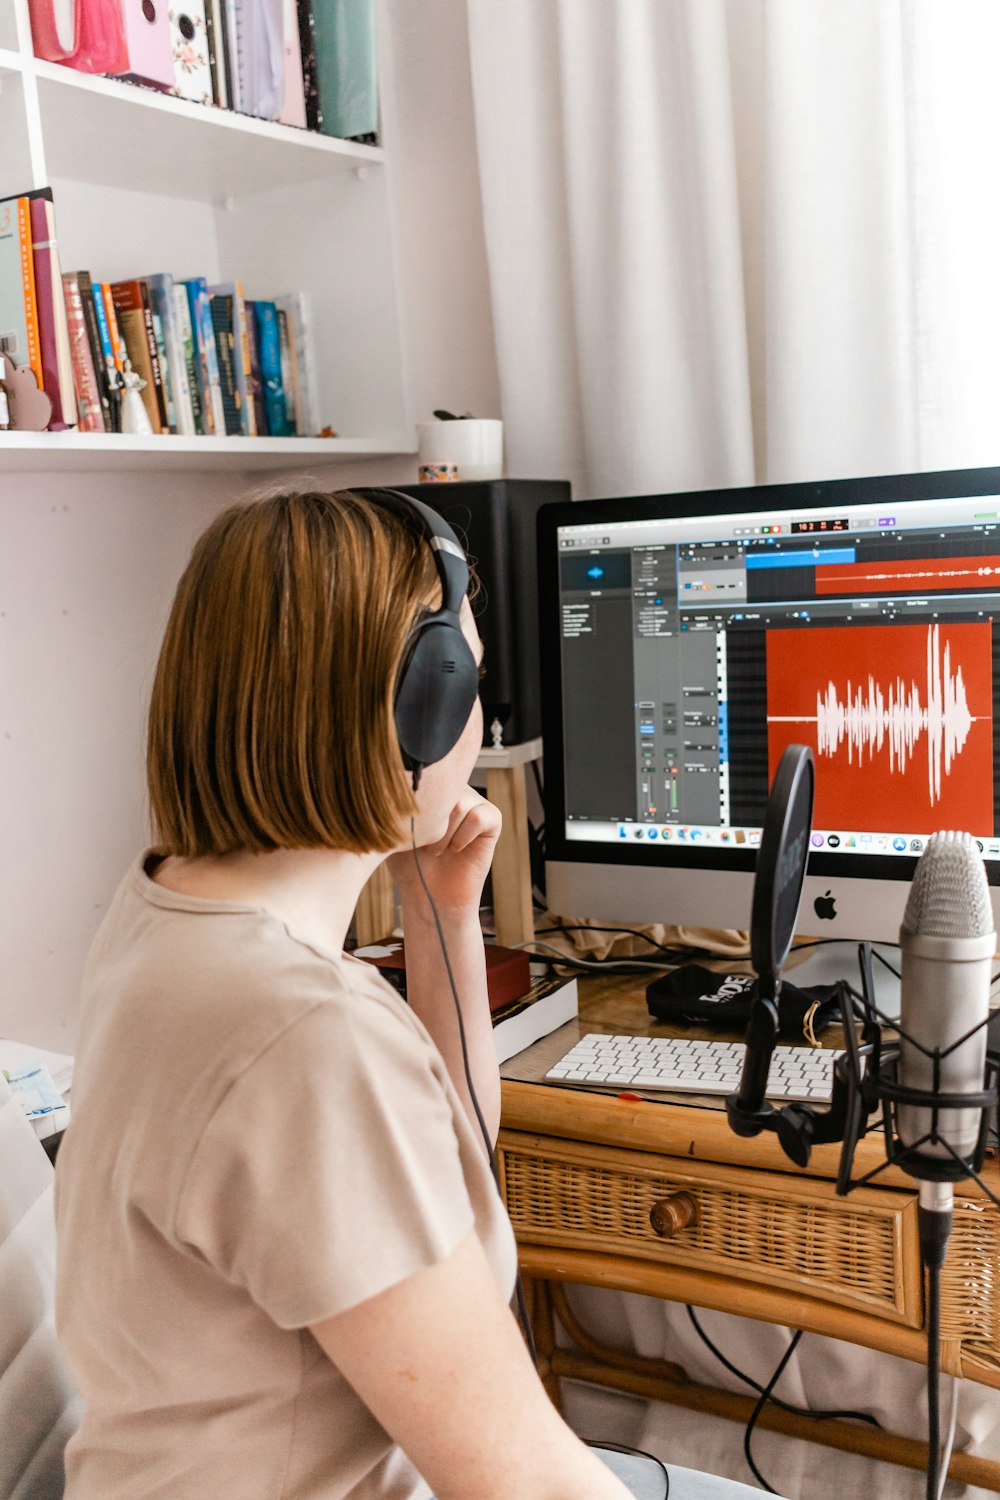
pixel 449 554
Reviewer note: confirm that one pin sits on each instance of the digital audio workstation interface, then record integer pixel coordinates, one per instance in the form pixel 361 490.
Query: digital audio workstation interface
pixel 695 649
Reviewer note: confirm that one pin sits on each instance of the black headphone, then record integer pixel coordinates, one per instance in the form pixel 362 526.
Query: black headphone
pixel 438 677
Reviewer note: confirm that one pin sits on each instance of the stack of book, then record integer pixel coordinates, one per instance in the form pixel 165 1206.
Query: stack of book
pixel 213 360
pixel 308 63
pixel 525 1003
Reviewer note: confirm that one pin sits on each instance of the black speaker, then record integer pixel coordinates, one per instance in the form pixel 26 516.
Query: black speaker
pixel 495 520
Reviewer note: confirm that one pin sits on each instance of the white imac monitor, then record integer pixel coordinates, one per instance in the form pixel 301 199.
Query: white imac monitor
pixel 687 639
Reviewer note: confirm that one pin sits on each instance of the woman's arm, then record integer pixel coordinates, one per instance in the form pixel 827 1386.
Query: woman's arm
pixel 454 870
pixel 439 1361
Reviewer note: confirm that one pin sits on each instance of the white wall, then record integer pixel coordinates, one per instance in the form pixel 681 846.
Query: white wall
pixel 88 564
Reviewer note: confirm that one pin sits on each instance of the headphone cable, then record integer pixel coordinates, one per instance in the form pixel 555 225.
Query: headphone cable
pixel 494 1169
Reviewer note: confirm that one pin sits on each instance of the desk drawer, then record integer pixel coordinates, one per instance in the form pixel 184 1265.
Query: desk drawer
pixel 765 1227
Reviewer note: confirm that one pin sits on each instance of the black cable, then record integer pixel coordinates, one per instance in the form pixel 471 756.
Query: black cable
pixel 765 1397
pixel 495 1170
pixel 458 1010
pixel 799 1411
pixel 933 1375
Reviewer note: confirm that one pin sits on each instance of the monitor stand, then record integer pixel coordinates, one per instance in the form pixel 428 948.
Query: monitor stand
pixel 839 960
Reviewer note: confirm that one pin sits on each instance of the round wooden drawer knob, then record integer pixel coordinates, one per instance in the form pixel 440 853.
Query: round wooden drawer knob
pixel 669 1216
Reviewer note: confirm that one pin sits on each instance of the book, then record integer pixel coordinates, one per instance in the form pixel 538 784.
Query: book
pixel 53 331
pixel 109 348
pixel 161 296
pixel 241 353
pixel 508 970
pixel 256 384
pixel 135 323
pixel 269 351
pixel 90 408
pixel 307 422
pixel 549 1004
pixel 166 374
pixel 118 349
pixel 18 321
pixel 208 360
pixel 185 336
pixel 289 377
pixel 222 322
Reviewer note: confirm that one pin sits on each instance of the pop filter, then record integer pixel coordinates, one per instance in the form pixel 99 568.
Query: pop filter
pixel 777 890
pixel 781 864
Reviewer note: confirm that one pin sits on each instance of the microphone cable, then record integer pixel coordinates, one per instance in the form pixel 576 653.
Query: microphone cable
pixel 798 1411
pixel 494 1169
pixel 765 1397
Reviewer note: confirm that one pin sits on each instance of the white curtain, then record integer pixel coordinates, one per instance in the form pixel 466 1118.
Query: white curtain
pixel 740 240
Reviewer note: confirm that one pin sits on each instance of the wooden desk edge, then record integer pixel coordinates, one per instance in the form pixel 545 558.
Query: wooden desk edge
pixel 670 1127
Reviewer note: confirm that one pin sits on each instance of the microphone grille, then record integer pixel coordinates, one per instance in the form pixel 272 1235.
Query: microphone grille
pixel 949 896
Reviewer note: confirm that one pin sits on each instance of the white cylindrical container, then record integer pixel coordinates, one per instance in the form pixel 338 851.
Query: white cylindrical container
pixel 475 444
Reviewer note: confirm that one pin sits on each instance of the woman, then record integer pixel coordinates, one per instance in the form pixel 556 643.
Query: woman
pixel 284 1270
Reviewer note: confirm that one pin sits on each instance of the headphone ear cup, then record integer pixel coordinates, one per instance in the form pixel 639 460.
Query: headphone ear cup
pixel 437 688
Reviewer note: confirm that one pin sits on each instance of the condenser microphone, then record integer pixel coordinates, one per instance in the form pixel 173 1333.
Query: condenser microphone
pixel 947 942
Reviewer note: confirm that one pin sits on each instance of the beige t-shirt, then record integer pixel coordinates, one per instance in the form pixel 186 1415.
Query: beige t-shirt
pixel 263 1135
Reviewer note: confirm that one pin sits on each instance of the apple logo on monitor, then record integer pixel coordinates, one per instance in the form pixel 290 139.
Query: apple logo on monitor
pixel 825 907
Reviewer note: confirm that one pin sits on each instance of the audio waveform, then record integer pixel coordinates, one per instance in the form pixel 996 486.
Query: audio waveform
pixel 872 727
pixel 908 576
pixel 871 719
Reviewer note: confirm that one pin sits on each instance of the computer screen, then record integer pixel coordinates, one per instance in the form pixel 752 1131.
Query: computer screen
pixel 687 639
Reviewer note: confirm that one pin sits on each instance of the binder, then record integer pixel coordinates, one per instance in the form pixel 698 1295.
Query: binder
pixel 307 58
pixel 147 37
pixel 189 46
pixel 260 56
pixel 53 28
pixel 345 61
pixel 294 109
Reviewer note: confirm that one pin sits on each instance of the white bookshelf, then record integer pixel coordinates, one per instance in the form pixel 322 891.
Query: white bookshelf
pixel 107 453
pixel 144 182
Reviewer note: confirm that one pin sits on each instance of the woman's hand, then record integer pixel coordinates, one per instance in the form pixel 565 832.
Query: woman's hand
pixel 456 865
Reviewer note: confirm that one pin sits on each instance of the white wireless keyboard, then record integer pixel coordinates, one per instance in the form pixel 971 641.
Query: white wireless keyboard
pixel 692 1067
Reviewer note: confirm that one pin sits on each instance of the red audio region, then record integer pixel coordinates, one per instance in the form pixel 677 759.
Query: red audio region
pixel 900 719
pixel 922 575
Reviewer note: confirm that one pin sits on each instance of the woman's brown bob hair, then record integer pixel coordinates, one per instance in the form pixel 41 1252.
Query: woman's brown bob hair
pixel 271 722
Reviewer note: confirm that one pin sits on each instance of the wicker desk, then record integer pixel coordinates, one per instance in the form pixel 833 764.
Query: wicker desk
pixel 658 1196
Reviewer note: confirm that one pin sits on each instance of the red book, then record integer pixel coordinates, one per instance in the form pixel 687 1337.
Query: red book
pixel 53 330
pixel 508 970
pixel 88 391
